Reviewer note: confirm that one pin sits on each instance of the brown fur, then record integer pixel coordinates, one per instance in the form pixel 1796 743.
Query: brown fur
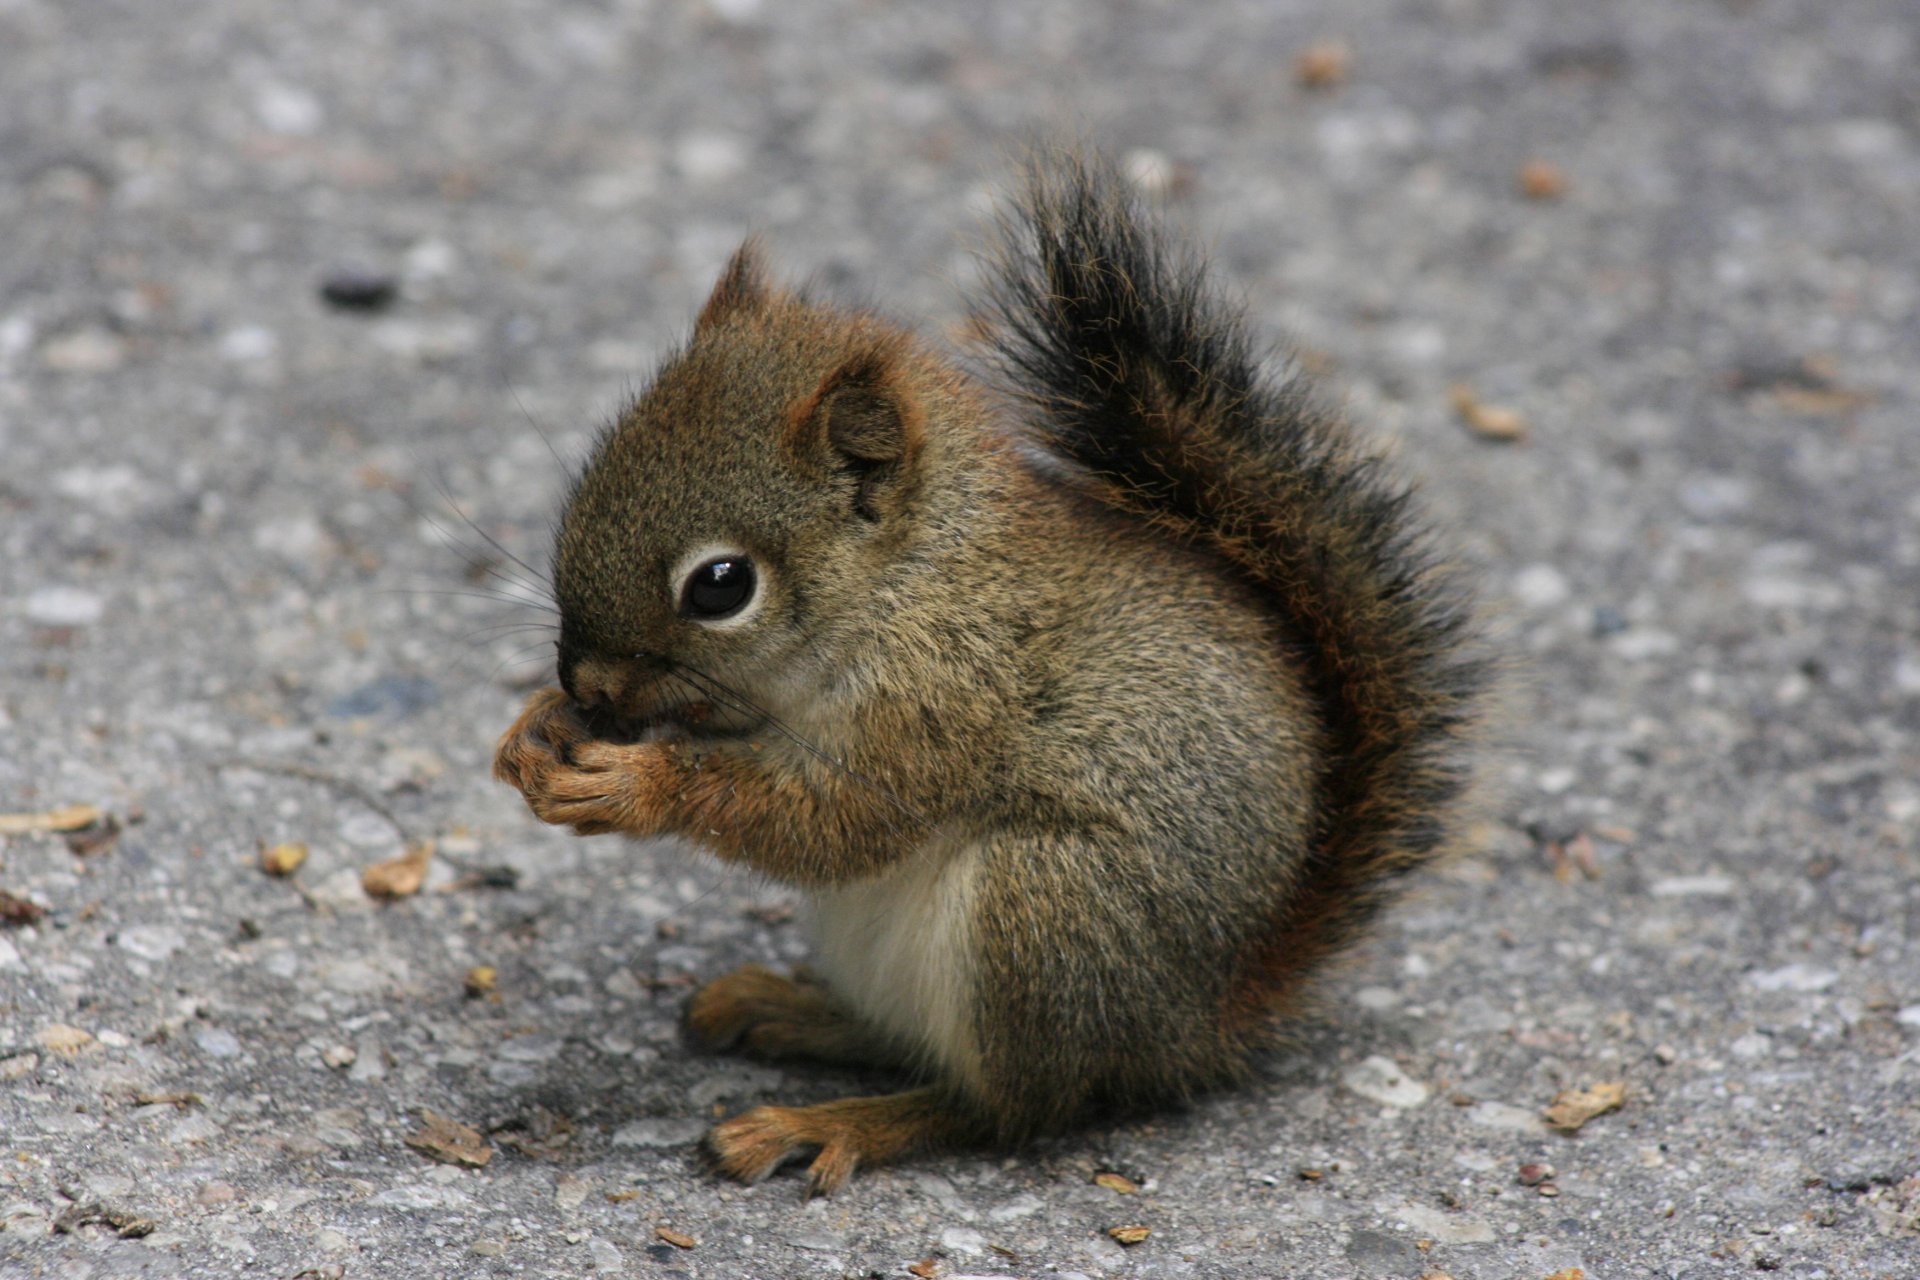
pixel 1157 683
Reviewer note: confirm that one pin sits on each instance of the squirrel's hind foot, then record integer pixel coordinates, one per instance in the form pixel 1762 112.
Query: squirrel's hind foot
pixel 755 1011
pixel 846 1134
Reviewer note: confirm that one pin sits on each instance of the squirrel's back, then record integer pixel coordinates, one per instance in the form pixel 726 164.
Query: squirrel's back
pixel 1136 374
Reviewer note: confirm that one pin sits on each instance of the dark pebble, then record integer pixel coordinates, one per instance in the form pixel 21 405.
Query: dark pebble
pixel 395 697
pixel 1608 621
pixel 351 290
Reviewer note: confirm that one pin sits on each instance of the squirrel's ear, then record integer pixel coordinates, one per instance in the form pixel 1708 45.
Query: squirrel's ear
pixel 867 423
pixel 742 285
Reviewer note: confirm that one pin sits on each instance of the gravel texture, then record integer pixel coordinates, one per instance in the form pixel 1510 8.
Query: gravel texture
pixel 302 307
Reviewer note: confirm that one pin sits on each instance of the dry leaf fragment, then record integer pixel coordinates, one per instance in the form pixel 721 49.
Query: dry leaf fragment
pixel 65 1040
pixel 481 980
pixel 1117 1182
pixel 17 910
pixel 1130 1235
pixel 283 859
pixel 94 838
pixel 1539 180
pixel 1488 421
pixel 180 1100
pixel 678 1239
pixel 621 1197
pixel 1568 1273
pixel 68 817
pixel 1572 1108
pixel 126 1224
pixel 399 877
pixel 1325 65
pixel 449 1141
pixel 926 1268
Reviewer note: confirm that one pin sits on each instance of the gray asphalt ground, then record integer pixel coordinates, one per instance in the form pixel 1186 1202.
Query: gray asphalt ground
pixel 241 604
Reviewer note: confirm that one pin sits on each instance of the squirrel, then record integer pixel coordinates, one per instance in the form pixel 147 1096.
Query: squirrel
pixel 1095 700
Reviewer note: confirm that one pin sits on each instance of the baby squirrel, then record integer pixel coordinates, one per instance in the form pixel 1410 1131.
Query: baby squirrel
pixel 1094 706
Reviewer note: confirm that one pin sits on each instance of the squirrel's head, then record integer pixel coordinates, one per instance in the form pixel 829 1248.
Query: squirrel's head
pixel 740 514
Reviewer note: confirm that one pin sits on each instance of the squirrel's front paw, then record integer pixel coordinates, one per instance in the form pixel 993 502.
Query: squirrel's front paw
pixel 572 780
pixel 545 731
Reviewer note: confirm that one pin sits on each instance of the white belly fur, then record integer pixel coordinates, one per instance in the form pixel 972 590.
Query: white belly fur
pixel 896 949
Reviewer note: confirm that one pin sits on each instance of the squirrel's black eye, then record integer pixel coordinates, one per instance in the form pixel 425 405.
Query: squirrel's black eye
pixel 718 588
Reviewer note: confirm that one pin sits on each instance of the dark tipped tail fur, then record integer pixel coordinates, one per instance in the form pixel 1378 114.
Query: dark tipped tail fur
pixel 1136 371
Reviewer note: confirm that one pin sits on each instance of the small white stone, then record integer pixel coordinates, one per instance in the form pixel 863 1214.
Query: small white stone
pixel 1795 977
pixel 1555 781
pixel 248 342
pixel 963 1240
pixel 9 956
pixel 1381 1080
pixel 105 487
pixel 1909 1016
pixel 570 1192
pixel 89 350
pixel 1152 171
pixel 1707 886
pixel 661 1132
pixel 603 1255
pixel 151 941
pixel 710 157
pixel 531 1048
pixel 1024 1205
pixel 1541 586
pixel 1443 1227
pixel 65 607
pixel 218 1042
pixel 1504 1116
pixel 288 109
pixel 430 260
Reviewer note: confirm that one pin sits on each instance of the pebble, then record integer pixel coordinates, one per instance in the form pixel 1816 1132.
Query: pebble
pixel 248 342
pixel 1707 886
pixel 1504 1116
pixel 110 487
pixel 218 1042
pixel 1381 1080
pixel 65 607
pixel 216 1193
pixel 89 350
pixel 604 1255
pixel 710 157
pixel 150 942
pixel 1794 977
pixel 10 957
pixel 734 1080
pixel 352 289
pixel 393 697
pixel 570 1192
pixel 1541 586
pixel 665 1132
pixel 963 1240
pixel 818 1241
pixel 531 1048
pixel 288 110
pixel 1443 1227
pixel 420 1197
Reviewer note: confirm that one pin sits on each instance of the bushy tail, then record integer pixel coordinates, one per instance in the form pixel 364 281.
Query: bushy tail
pixel 1136 371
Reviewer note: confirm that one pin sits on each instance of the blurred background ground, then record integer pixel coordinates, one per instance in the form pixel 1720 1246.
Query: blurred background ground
pixel 1675 243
